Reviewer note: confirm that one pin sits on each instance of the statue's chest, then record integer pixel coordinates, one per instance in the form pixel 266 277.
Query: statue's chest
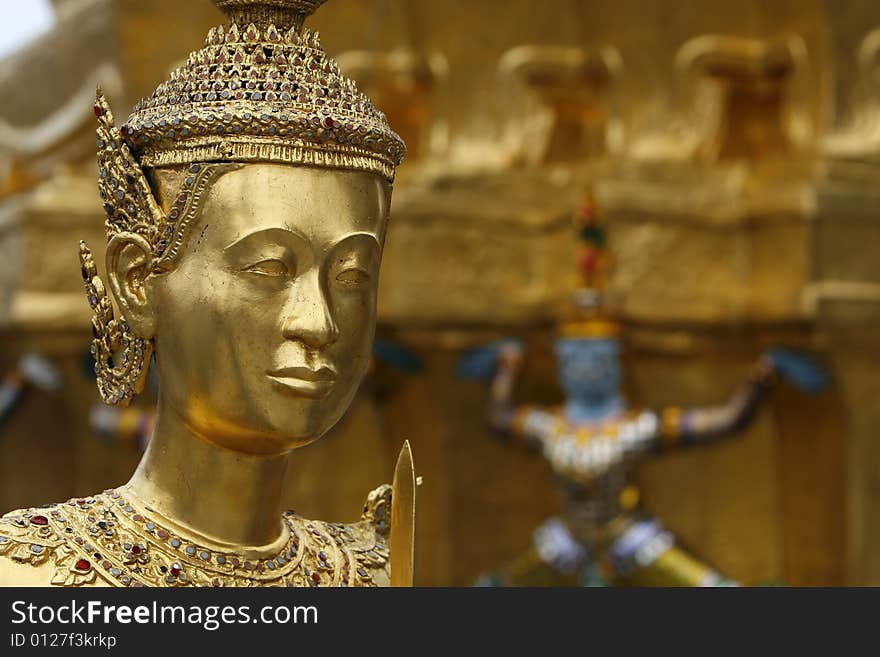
pixel 105 539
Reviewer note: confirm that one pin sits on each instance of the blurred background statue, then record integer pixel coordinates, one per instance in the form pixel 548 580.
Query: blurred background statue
pixel 594 438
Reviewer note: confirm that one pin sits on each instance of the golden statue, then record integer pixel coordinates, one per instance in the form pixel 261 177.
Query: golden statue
pixel 246 202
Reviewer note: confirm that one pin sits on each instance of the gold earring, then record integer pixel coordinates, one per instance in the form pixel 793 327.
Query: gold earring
pixel 118 382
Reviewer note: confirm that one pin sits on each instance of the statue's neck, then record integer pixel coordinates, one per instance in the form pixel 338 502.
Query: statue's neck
pixel 214 494
pixel 594 411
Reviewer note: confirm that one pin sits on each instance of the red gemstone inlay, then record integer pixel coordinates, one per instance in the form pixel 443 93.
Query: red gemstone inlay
pixel 106 564
pixel 99 111
pixel 316 578
pixel 40 520
pixel 83 565
pixel 162 533
pixel 175 571
pixel 136 549
pixel 137 517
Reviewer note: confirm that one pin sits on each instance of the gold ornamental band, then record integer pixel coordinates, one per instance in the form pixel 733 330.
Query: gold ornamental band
pixel 267 149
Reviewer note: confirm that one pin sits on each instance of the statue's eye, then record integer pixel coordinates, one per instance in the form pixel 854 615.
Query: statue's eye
pixel 270 267
pixel 352 278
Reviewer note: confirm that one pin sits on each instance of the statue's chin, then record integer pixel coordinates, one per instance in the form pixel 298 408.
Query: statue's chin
pixel 271 437
pixel 274 427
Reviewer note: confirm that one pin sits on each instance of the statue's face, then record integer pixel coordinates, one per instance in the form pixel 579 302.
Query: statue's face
pixel 265 326
pixel 589 368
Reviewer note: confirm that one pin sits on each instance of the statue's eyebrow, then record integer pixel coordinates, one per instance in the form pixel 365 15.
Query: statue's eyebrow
pixel 281 236
pixel 357 237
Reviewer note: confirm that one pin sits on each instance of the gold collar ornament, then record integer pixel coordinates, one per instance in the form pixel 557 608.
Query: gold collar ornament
pixel 113 538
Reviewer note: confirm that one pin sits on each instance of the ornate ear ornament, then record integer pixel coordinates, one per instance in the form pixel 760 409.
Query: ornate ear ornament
pixel 121 358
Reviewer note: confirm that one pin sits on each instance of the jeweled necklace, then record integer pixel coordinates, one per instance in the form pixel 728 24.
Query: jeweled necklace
pixel 112 536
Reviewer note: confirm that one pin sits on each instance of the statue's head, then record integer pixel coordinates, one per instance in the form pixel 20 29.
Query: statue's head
pixel 589 368
pixel 247 202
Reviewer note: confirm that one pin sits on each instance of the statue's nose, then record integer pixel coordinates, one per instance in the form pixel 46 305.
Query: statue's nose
pixel 309 319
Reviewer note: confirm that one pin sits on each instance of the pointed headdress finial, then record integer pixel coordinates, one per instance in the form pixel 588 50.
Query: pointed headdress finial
pixel 283 14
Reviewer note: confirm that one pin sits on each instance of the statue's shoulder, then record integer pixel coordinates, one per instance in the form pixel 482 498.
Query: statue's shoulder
pixel 374 531
pixel 359 550
pixel 36 551
pixel 377 511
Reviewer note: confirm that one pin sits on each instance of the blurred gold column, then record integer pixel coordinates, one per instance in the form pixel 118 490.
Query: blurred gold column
pixel 846 295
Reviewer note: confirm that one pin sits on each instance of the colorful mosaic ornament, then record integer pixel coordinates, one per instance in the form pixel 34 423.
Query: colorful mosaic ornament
pixel 111 538
pixel 584 454
pixel 590 317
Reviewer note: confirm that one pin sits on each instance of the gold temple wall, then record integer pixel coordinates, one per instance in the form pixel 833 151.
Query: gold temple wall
pixel 480 248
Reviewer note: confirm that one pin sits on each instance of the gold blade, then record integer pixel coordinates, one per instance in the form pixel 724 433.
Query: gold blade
pixel 403 518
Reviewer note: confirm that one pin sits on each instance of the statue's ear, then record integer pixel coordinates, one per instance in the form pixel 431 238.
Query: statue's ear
pixel 129 260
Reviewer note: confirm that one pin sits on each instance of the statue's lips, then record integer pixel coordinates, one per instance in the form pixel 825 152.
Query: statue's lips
pixel 305 382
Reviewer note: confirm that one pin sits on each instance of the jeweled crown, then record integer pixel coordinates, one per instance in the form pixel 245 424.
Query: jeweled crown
pixel 263 89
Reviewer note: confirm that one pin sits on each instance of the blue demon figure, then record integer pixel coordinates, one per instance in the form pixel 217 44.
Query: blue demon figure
pixel 592 439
